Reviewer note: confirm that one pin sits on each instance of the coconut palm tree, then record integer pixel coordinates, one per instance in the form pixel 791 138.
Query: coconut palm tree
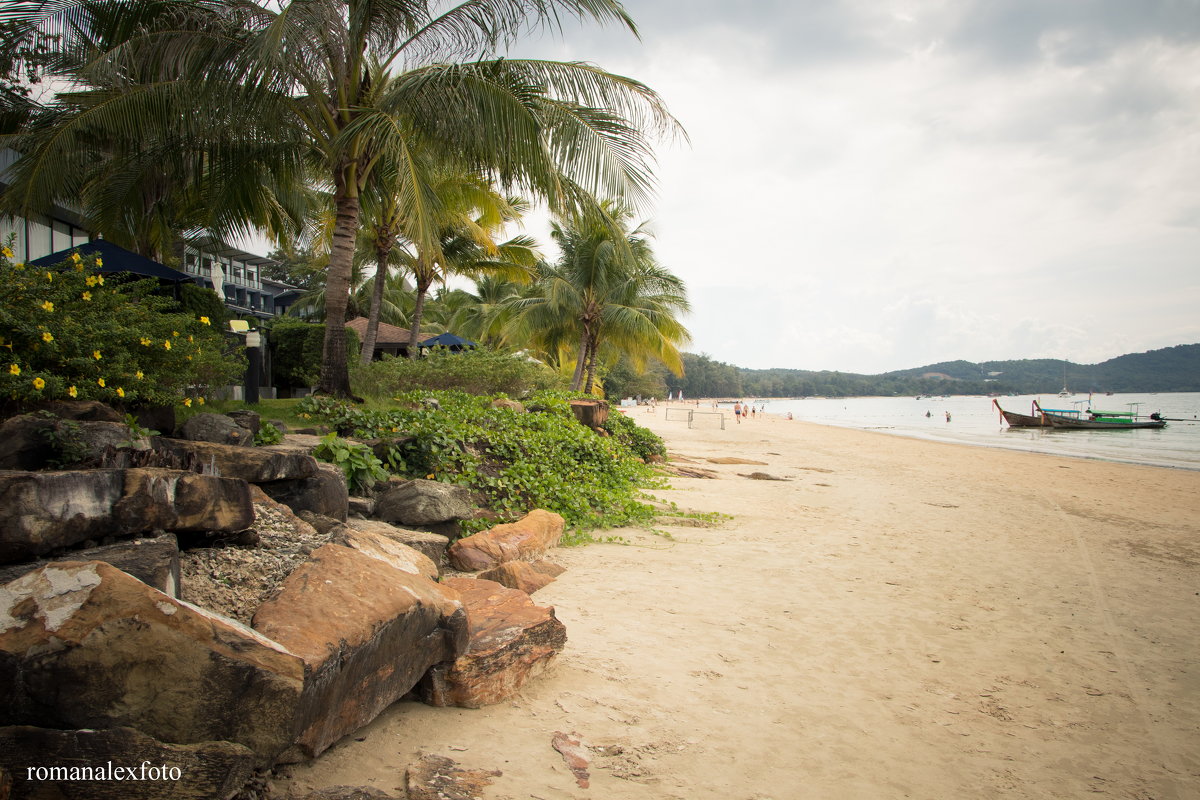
pixel 606 290
pixel 304 74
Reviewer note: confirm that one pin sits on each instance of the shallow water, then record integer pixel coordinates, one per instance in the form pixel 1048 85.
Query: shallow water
pixel 974 420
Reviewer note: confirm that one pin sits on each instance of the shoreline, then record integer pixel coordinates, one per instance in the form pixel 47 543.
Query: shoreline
pixel 898 617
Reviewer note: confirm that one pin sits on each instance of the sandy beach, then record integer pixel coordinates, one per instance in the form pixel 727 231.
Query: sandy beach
pixel 897 619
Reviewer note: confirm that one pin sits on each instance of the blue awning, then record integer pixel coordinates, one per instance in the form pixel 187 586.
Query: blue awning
pixel 115 259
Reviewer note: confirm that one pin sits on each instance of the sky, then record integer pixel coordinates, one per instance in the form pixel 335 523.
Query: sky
pixel 873 185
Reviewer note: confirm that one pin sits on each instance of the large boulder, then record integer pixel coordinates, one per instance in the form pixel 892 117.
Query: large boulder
pixel 44 511
pixel 90 410
pixel 32 442
pixel 366 631
pixel 433 545
pixel 84 645
pixel 154 562
pixel 82 765
pixel 522 576
pixel 216 428
pixel 252 464
pixel 421 502
pixel 511 641
pixel 526 539
pixel 324 492
pixel 388 550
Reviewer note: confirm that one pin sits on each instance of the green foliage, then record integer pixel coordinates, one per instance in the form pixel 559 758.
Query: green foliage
pixel 478 371
pixel 201 302
pixel 641 441
pixel 137 432
pixel 296 348
pixel 65 438
pixel 513 462
pixel 268 434
pixel 360 466
pixel 70 332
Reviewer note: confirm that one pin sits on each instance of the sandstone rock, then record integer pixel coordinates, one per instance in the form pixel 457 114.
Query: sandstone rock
pixel 511 405
pixel 218 428
pixel 324 492
pixel 735 460
pixel 575 755
pixel 92 410
pixel 24 442
pixel 367 633
pixel 421 502
pixel 156 771
pixel 431 544
pixel 362 507
pixel 519 575
pixel 31 442
pixel 386 549
pixel 548 568
pixel 523 540
pixel 133 657
pixel 154 562
pixel 250 420
pixel 43 511
pixel 320 522
pixel 439 778
pixel 253 464
pixel 297 442
pixel 349 793
pixel 511 641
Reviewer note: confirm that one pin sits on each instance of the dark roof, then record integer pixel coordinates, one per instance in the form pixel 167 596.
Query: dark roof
pixel 386 336
pixel 115 259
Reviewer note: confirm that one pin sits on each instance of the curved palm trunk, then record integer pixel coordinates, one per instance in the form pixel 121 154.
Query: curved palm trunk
pixel 580 361
pixel 414 337
pixel 372 334
pixel 593 348
pixel 335 371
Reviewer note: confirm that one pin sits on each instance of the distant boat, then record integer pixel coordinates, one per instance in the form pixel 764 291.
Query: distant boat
pixel 1065 391
pixel 1016 420
pixel 1074 419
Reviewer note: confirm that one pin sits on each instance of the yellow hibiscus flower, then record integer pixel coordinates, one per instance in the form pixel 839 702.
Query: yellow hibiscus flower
pixel 39 384
pixel 205 321
pixel 47 306
pixel 100 382
pixel 96 354
pixel 73 392
pixel 47 336
pixel 13 369
pixel 187 401
pixel 120 392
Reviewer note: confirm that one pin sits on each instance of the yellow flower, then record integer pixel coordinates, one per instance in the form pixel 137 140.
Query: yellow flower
pixel 147 342
pixel 96 354
pixel 120 392
pixel 167 344
pixel 50 277
pixel 100 382
pixel 87 295
pixel 13 369
pixel 139 375
pixel 47 336
pixel 191 338
pixel 99 263
pixel 189 358
pixel 47 306
pixel 90 280
pixel 174 333
pixel 73 392
pixel 76 258
pixel 100 279
pixel 200 400
pixel 187 401
pixel 205 321
pixel 39 384
pixel 4 251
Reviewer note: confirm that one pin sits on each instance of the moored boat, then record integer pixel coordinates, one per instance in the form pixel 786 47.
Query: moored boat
pixel 1074 419
pixel 1016 420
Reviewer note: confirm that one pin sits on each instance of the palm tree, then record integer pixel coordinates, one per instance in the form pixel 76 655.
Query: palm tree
pixel 305 75
pixel 607 290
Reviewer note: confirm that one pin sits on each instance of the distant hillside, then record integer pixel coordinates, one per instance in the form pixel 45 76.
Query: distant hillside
pixel 1171 369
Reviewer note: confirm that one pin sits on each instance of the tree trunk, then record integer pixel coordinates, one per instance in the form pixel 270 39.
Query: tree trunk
pixel 580 361
pixel 414 337
pixel 335 371
pixel 381 268
pixel 593 347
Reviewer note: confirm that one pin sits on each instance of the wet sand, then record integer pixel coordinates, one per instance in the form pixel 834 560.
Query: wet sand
pixel 899 618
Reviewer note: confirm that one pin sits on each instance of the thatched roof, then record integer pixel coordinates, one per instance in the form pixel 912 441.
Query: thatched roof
pixel 387 336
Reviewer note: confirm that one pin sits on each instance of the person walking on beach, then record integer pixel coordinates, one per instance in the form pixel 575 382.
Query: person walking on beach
pixel 737 412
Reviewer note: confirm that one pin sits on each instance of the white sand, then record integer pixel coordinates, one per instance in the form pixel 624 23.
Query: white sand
pixel 901 619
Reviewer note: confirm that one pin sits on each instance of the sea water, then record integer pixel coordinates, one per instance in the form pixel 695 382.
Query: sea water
pixel 974 420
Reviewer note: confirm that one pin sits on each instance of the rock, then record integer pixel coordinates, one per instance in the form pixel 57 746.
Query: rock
pixel 511 641
pixel 253 464
pixel 151 770
pixel 431 544
pixel 421 502
pixel 511 405
pixel 92 410
pixel 323 493
pixel 735 460
pixel 361 506
pixel 160 419
pixel 44 511
pixel 761 476
pixel 154 562
pixel 519 575
pixel 388 550
pixel 366 631
pixel 349 793
pixel 296 441
pixel 439 778
pixel 575 755
pixel 218 428
pixel 523 540
pixel 134 657
pixel 31 442
pixel 250 420
pixel 548 568
pixel 320 522
pixel 25 443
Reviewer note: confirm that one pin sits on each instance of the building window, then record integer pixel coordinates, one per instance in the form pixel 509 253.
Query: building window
pixel 39 239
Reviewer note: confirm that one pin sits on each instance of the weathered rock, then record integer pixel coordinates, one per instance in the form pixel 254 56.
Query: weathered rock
pixel 575 755
pixel 735 460
pixel 25 442
pixel 519 575
pixel 92 410
pixel 297 442
pixel 216 428
pixel 761 476
pixel 154 562
pixel 523 540
pixel 250 420
pixel 431 544
pixel 253 464
pixel 81 765
pixel 349 793
pixel 548 568
pixel 439 778
pixel 367 633
pixel 361 506
pixel 421 502
pixel 30 442
pixel 43 511
pixel 386 549
pixel 320 522
pixel 511 641
pixel 324 492
pixel 131 656
pixel 511 405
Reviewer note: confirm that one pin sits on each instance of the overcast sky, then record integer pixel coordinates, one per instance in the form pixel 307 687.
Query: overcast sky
pixel 875 185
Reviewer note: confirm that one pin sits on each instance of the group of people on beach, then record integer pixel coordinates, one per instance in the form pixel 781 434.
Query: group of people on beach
pixel 741 409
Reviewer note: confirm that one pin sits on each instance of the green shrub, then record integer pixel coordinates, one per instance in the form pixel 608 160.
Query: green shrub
pixel 360 466
pixel 296 348
pixel 478 371
pixel 71 332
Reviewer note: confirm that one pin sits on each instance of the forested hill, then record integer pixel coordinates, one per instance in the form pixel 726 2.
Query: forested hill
pixel 1172 369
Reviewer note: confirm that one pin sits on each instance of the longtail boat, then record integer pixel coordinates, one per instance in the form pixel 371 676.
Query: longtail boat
pixel 1016 420
pixel 1073 419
